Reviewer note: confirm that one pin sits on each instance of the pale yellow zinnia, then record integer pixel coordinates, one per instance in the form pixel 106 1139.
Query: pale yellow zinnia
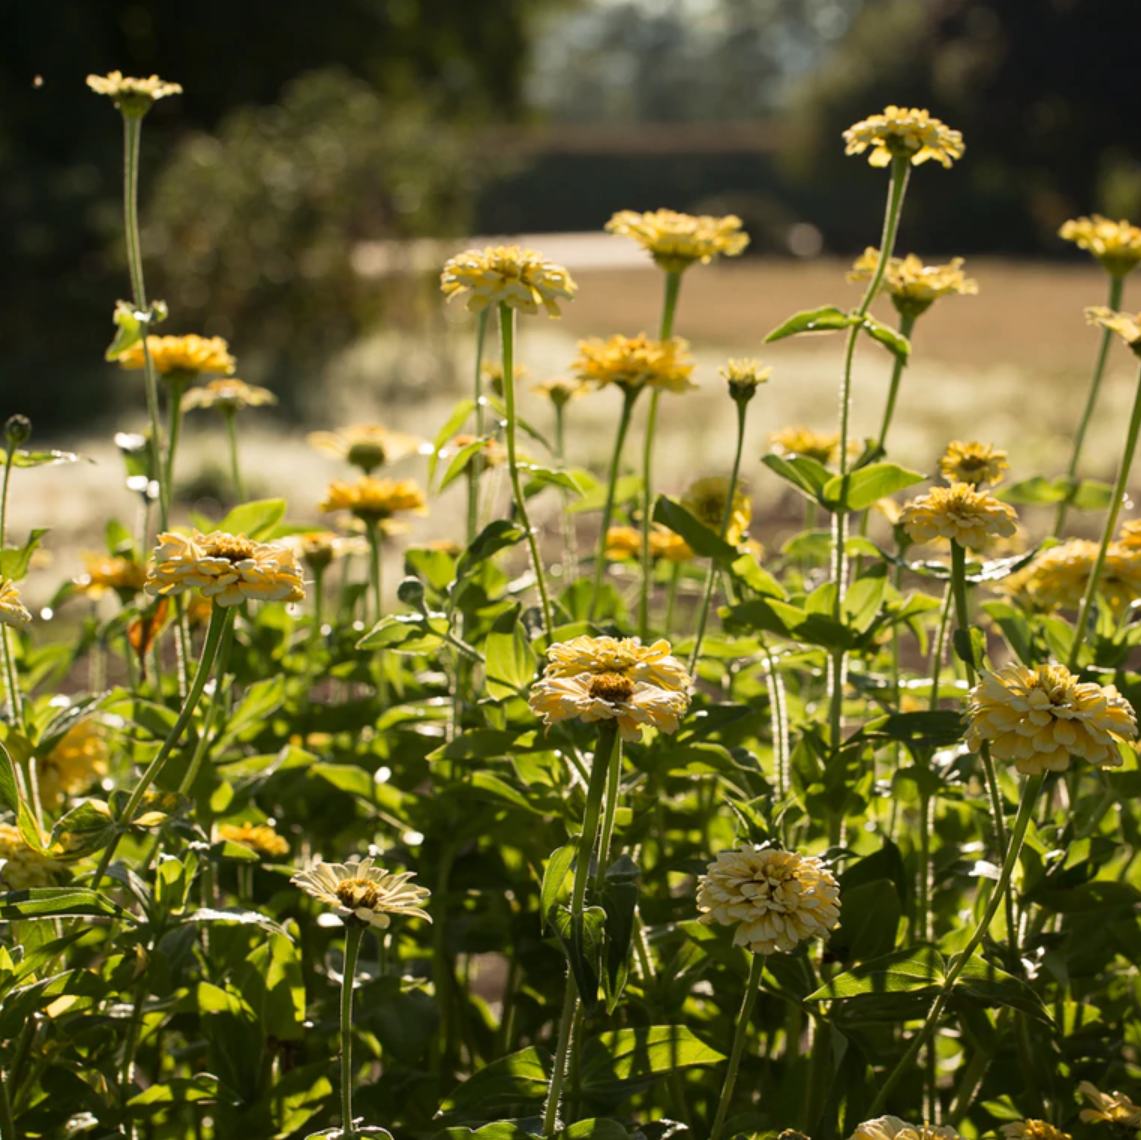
pixel 375 500
pixel 105 572
pixel 560 390
pixel 592 697
pixel 821 446
pixel 367 446
pixel 363 894
pixel 77 760
pixel 1033 1130
pixel 1058 577
pixel 904 132
pixel 970 517
pixel 181 358
pixel 676 241
pixel 654 664
pixel 509 275
pixel 1117 245
pixel 706 500
pixel 133 96
pixel 20 866
pixel 12 609
pixel 972 462
pixel 636 362
pixel 228 396
pixel 893 1128
pixel 1113 1107
pixel 912 286
pixel 258 837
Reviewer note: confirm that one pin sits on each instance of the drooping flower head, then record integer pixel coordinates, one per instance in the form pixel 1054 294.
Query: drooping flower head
pixel 775 899
pixel 105 572
pixel 1125 325
pixel 510 275
pixel 362 894
pixel 560 390
pixel 134 97
pixel 1041 717
pixel 258 837
pixel 77 760
pixel 970 517
pixel 821 446
pixel 375 500
pixel 12 609
pixel 228 569
pixel 706 499
pixel 20 866
pixel 892 1128
pixel 229 396
pixel 676 241
pixel 181 358
pixel 1113 1107
pixel 973 463
pixel 1033 1130
pixel 913 286
pixel 636 362
pixel 744 377
pixel 367 446
pixel 904 132
pixel 1117 245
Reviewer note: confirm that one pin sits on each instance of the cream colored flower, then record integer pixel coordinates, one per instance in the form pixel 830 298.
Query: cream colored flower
pixel 706 499
pixel 104 572
pixel 78 759
pixel 1114 1107
pixel 594 696
pixel 1041 717
pixel 258 837
pixel 744 377
pixel 20 866
pixel 12 609
pixel 507 275
pixel 1117 245
pixel 367 446
pixel 913 286
pixel 560 390
pixel 181 358
pixel 228 569
pixel 1058 577
pixel 959 512
pixel 892 1128
pixel 1033 1130
pixel 624 544
pixel 318 548
pixel 132 96
pixel 821 446
pixel 775 899
pixel 1125 325
pixel 676 241
pixel 973 463
pixel 375 500
pixel 363 894
pixel 229 396
pixel 652 664
pixel 1130 534
pixel 634 363
pixel 904 132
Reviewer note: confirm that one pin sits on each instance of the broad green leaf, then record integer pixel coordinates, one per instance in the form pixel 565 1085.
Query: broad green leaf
pixel 255 520
pixel 462 459
pixel 496 1130
pixel 86 828
pixel 619 901
pixel 177 1090
pixel 895 342
pixel 349 778
pixel 436 568
pixel 869 921
pixel 990 986
pixel 626 489
pixel 617 1063
pixel 12 800
pixel 50 458
pixel 808 476
pixel 868 486
pixel 129 325
pixel 582 944
pixel 918 730
pixel 510 660
pixel 494 537
pixel 14 560
pixel 704 542
pixel 748 570
pixel 261 699
pixel 599 1128
pixel 451 426
pixel 554 880
pixel 59 902
pixel 406 633
pixel 970 647
pixel 825 319
pixel 1089 898
pixel 862 602
pixel 539 477
pixel 904 972
pixel 518 1078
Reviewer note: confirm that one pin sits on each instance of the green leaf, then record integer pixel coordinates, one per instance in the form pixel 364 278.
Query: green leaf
pixel 920 731
pixel 406 633
pixel 808 476
pixel 1089 898
pixel 825 319
pixel 85 829
pixel 970 647
pixel 868 486
pixel 539 477
pixel 14 559
pixel 255 520
pixel 616 1064
pixel 262 698
pixel 11 799
pixel 619 901
pixel 349 778
pixel 704 542
pixel 50 458
pixel 494 537
pixel 895 342
pixel 904 972
pixel 1015 628
pixel 990 986
pixel 518 1078
pixel 1092 495
pixel 600 1128
pixel 177 1090
pixel 554 880
pixel 59 902
pixel 436 568
pixel 462 459
pixel 748 570
pixel 451 426
pixel 862 603
pixel 129 325
pixel 582 944
pixel 510 660
pixel 626 490
pixel 155 808
pixel 869 921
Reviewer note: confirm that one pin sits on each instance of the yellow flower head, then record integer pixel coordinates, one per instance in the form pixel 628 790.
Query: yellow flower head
pixel 1033 1130
pixel 367 446
pixel 228 569
pixel 74 764
pixel 706 501
pixel 892 1128
pixel 133 97
pixel 626 656
pixel 1057 578
pixel 624 544
pixel 229 396
pixel 1114 1107
pixel 1117 245
pixel 560 390
pixel 318 548
pixel 971 518
pixel 1041 717
pixel 375 500
pixel 20 866
pixel 974 463
pixel 104 572
pixel 12 609
pixel 636 362
pixel 913 286
pixel 257 837
pixel 904 132
pixel 182 358
pixel 1126 325
pixel 744 377
pixel 362 894
pixel 676 241
pixel 593 696
pixel 1130 534
pixel 507 275
pixel 775 899
pixel 492 373
pixel 821 446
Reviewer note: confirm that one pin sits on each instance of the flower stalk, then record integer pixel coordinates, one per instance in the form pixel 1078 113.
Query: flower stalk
pixel 354 932
pixel 741 1031
pixel 906 325
pixel 231 415
pixel 629 395
pixel 476 466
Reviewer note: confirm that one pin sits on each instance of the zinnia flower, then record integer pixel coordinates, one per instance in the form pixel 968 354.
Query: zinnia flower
pixel 132 96
pixel 375 500
pixel 367 446
pixel 1058 577
pixel 1041 717
pixel 492 373
pixel 913 286
pixel 257 837
pixel 676 241
pixel 892 1128
pixel 1114 1107
pixel 560 390
pixel 633 363
pixel 974 463
pixel 775 899
pixel 744 377
pixel 706 500
pixel 959 512
pixel 228 569
pixel 821 446
pixel 626 656
pixel 78 759
pixel 318 548
pixel 20 866
pixel 103 572
pixel 1126 325
pixel 363 894
pixel 624 544
pixel 181 358
pixel 229 396
pixel 12 609
pixel 592 696
pixel 1117 245
pixel 1130 534
pixel 1033 1130
pixel 904 132
pixel 507 275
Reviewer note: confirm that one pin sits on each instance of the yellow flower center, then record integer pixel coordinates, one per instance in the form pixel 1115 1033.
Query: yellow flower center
pixel 358 892
pixel 612 688
pixel 233 549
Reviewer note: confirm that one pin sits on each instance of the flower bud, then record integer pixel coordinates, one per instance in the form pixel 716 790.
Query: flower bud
pixel 18 430
pixel 744 377
pixel 411 593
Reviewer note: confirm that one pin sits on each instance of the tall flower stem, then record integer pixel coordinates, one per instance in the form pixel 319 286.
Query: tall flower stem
pixel 727 515
pixel 220 618
pixel 7 1120
pixel 1115 506
pixel 9 459
pixel 629 395
pixel 837 663
pixel 375 567
pixel 477 399
pixel 353 936
pixel 570 545
pixel 605 751
pixel 1025 810
pixel 231 415
pixel 669 308
pixel 176 386
pixel 15 705
pixel 752 988
pixel 507 341
pixel 216 700
pixel 610 810
pixel 1116 289
pixel 906 324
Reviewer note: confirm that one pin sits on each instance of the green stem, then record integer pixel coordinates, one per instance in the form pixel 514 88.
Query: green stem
pixel 1118 501
pixel 1025 810
pixel 231 415
pixel 175 387
pixel 741 1031
pixel 570 543
pixel 476 466
pixel 216 701
pixel 906 324
pixel 779 717
pixel 353 936
pixel 131 1045
pixel 613 789
pixel 7 1120
pixel 507 340
pixel 937 649
pixel 562 1050
pixel 671 598
pixel 629 395
pixel 372 529
pixel 1116 288
pixel 11 682
pixel 8 461
pixel 926 821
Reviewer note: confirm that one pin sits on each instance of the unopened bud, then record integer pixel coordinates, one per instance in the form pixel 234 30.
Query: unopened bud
pixel 18 430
